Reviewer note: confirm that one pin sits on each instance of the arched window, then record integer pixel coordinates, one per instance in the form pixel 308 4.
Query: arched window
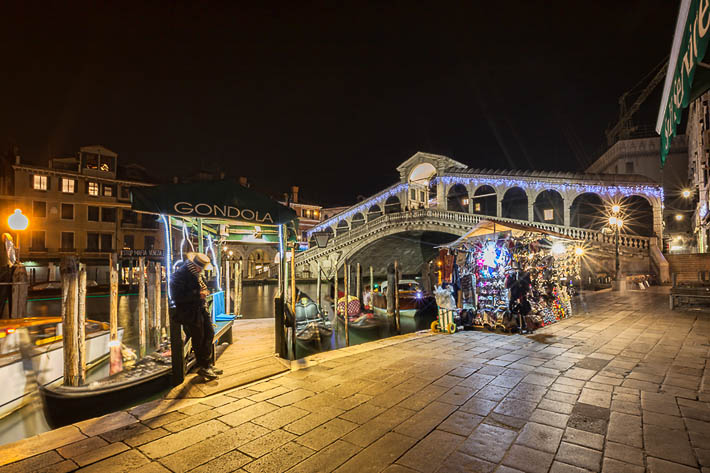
pixel 358 220
pixel 515 204
pixel 374 212
pixel 393 205
pixel 549 207
pixel 485 201
pixel 457 198
pixel 587 211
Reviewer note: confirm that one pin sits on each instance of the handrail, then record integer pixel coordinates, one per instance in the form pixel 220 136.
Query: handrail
pixel 466 219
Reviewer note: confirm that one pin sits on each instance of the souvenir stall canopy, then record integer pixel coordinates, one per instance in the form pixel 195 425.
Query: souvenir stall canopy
pixel 208 214
pixel 512 276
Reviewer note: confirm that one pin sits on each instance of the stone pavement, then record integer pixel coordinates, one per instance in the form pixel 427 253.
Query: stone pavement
pixel 624 386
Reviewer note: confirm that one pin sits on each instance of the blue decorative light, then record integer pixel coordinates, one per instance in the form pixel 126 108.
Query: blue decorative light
pixel 384 195
pixel 210 248
pixel 168 254
pixel 703 210
pixel 537 185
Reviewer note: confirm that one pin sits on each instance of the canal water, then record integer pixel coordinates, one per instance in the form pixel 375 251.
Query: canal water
pixel 258 302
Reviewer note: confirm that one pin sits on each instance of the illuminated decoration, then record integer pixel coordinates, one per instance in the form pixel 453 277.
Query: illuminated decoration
pixel 18 221
pixel 703 211
pixel 364 207
pixel 210 248
pixel 168 252
pixel 281 240
pixel 558 248
pixel 608 190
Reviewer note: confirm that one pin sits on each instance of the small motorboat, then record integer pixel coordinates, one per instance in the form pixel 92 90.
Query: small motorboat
pixel 47 359
pixel 413 301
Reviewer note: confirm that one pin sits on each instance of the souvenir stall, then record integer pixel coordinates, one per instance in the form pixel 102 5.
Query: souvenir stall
pixel 510 276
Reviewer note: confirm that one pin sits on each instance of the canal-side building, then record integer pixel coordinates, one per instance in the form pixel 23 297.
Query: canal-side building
pixel 698 132
pixel 640 156
pixel 78 205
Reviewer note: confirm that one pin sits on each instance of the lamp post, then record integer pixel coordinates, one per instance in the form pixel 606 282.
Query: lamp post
pixel 18 222
pixel 615 223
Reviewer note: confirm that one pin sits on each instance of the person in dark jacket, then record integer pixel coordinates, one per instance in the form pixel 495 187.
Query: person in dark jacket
pixel 189 293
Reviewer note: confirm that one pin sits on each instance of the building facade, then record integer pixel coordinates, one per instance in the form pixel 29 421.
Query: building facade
pixel 698 132
pixel 78 205
pixel 641 157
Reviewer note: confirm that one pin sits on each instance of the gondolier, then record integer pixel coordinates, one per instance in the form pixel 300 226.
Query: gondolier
pixel 189 293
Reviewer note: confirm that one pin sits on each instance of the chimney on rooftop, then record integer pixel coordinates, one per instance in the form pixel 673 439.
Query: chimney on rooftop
pixel 294 194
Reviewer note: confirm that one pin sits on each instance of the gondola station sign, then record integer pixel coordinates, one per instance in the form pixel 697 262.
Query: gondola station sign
pixel 138 253
pixel 690 43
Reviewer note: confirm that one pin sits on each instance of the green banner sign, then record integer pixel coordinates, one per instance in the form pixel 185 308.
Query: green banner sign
pixel 689 46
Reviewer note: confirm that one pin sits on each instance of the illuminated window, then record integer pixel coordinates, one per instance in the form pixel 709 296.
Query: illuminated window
pixel 477 207
pixel 549 214
pixel 108 191
pixel 464 201
pixel 93 188
pixel 68 185
pixel 39 182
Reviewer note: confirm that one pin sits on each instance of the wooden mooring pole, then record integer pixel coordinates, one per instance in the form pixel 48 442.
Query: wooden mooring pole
pixel 116 359
pixel 81 322
pixel 239 288
pixel 318 283
pixel 141 307
pixel 335 299
pixel 70 320
pixel 358 288
pixel 396 294
pixel 346 316
pixel 293 285
pixel 157 271
pixel 372 287
pixel 227 286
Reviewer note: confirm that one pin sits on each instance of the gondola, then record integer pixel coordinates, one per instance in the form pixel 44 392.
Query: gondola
pixel 311 324
pixel 64 405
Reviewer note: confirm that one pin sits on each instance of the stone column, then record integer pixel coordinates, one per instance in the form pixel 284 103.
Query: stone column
pixel 657 219
pixel 531 211
pixel 441 196
pixel 567 210
pixel 499 207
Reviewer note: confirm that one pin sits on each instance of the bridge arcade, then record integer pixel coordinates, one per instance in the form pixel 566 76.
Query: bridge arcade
pixel 557 200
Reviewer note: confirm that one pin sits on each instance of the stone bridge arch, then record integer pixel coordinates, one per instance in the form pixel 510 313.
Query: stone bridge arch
pixel 335 257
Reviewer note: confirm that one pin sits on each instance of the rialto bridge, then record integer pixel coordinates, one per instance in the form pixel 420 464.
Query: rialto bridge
pixel 438 199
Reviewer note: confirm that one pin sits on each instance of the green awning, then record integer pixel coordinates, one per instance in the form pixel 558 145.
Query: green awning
pixel 222 200
pixel 684 80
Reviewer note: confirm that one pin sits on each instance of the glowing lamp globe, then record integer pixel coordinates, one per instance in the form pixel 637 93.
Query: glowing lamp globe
pixel 17 221
pixel 612 221
pixel 615 208
pixel 579 251
pixel 686 193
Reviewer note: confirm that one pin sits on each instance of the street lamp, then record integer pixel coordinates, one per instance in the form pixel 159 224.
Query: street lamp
pixel 18 222
pixel 616 223
pixel 686 193
pixel 321 239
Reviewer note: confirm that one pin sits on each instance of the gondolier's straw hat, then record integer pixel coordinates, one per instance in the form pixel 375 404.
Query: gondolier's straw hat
pixel 201 260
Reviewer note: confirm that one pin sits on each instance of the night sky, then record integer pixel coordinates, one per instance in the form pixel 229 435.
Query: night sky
pixel 321 96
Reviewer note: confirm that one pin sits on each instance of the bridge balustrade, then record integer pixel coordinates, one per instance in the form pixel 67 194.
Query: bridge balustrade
pixel 462 221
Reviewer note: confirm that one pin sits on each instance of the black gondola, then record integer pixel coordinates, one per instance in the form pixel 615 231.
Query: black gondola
pixel 64 405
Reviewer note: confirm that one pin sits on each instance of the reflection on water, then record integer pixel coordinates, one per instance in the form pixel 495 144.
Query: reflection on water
pixel 258 302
